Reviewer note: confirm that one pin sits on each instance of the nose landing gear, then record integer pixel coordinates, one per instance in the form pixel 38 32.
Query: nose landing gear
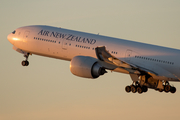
pixel 25 62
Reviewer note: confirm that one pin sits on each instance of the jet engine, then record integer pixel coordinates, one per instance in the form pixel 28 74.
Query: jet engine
pixel 87 67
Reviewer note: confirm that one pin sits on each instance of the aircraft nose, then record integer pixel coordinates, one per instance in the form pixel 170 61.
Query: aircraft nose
pixel 10 38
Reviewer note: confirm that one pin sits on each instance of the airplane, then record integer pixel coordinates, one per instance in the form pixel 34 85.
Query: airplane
pixel 91 55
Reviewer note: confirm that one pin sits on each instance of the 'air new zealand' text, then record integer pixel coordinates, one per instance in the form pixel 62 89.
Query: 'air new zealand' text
pixel 67 37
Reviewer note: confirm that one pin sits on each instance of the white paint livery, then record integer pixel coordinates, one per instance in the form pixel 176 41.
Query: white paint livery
pixel 149 66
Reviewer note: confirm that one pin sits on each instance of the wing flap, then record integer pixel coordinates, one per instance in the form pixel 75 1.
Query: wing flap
pixel 125 67
pixel 103 55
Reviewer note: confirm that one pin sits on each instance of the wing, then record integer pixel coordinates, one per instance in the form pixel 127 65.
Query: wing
pixel 132 69
pixel 103 55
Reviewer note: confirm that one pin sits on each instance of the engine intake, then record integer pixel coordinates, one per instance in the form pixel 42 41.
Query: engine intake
pixel 87 67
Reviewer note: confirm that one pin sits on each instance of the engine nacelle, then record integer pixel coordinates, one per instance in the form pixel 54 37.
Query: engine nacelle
pixel 87 67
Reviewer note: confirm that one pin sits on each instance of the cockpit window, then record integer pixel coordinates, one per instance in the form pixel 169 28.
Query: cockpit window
pixel 14 32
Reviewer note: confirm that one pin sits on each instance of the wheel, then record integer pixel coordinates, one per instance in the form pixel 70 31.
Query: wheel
pixel 144 88
pixel 27 63
pixel 160 90
pixel 133 89
pixel 23 63
pixel 139 89
pixel 173 90
pixel 167 88
pixel 128 89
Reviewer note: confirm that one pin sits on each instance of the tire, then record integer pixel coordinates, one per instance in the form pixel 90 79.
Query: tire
pixel 173 90
pixel 133 89
pixel 160 90
pixel 23 63
pixel 139 90
pixel 144 88
pixel 167 88
pixel 128 89
pixel 27 63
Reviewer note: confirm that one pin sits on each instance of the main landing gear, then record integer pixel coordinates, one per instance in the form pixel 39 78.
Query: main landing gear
pixel 25 62
pixel 135 87
pixel 167 88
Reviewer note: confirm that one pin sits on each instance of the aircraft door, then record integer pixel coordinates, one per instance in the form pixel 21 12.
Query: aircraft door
pixel 65 48
pixel 65 45
pixel 25 37
pixel 128 55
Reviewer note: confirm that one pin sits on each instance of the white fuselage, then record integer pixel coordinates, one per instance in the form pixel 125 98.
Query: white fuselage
pixel 65 44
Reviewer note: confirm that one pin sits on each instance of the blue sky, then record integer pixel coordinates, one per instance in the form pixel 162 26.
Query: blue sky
pixel 46 89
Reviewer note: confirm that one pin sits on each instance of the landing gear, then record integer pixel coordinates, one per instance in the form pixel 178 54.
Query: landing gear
pixel 144 88
pixel 160 90
pixel 141 84
pixel 169 88
pixel 139 89
pixel 128 89
pixel 173 90
pixel 25 62
pixel 135 87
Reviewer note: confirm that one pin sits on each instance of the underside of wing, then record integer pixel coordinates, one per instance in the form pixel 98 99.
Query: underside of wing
pixel 103 55
pixel 129 68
